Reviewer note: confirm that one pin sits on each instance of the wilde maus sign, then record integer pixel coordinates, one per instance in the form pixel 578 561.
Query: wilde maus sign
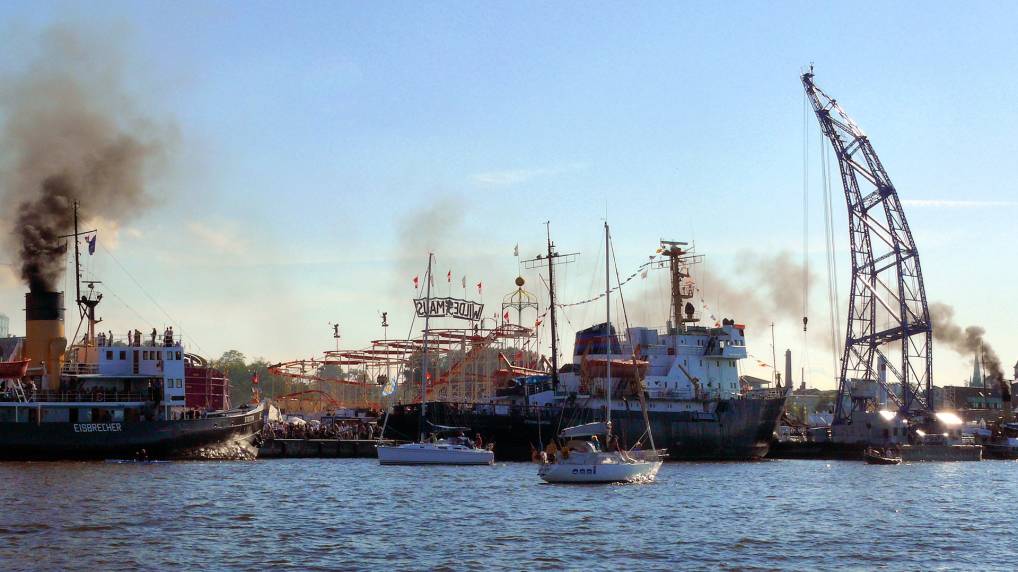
pixel 448 307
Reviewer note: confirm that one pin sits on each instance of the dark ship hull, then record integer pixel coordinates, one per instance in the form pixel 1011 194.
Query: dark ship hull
pixel 737 430
pixel 186 438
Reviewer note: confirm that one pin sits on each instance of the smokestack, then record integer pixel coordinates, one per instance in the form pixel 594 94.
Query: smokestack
pixel 788 370
pixel 44 335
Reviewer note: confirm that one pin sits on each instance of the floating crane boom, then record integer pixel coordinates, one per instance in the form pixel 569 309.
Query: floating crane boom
pixel 886 274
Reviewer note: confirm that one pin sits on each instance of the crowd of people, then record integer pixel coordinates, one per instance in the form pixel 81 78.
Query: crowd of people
pixel 345 429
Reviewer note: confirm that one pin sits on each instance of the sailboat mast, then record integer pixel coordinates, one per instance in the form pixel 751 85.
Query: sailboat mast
pixel 551 307
pixel 608 328
pixel 424 349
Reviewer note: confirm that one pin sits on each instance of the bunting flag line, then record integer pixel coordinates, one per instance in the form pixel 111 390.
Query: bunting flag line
pixel 641 269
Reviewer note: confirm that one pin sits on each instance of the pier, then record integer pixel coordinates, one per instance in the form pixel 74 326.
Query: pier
pixel 319 448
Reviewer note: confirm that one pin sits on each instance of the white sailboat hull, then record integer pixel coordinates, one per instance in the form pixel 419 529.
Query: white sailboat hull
pixel 599 468
pixel 433 454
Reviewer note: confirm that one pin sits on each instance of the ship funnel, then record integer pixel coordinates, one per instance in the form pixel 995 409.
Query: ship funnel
pixel 45 343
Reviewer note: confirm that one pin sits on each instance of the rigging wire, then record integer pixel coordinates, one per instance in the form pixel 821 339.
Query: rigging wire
pixel 805 234
pixel 618 280
pixel 833 295
pixel 151 299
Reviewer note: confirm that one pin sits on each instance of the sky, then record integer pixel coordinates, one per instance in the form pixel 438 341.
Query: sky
pixel 317 152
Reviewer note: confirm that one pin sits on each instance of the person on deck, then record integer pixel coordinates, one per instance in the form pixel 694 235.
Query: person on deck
pixel 551 450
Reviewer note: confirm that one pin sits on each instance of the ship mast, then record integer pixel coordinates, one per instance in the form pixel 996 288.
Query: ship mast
pixel 86 304
pixel 77 264
pixel 679 260
pixel 553 258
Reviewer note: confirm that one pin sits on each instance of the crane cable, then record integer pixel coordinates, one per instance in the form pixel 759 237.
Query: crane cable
pixel 833 295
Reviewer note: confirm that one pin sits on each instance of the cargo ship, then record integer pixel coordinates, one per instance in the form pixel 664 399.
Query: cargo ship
pixel 113 397
pixel 688 372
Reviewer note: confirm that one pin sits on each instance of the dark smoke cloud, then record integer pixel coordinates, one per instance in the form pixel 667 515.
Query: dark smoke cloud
pixel 966 341
pixel 70 133
pixel 436 227
pixel 773 294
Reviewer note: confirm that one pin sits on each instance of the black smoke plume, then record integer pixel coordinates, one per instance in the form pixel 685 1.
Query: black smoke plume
pixel 966 341
pixel 70 134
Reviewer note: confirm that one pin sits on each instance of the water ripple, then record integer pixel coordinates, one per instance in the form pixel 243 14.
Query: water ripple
pixel 356 515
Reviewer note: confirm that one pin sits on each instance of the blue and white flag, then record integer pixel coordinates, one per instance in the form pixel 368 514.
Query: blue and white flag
pixel 91 244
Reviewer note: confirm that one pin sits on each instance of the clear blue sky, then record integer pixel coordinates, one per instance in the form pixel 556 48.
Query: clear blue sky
pixel 323 148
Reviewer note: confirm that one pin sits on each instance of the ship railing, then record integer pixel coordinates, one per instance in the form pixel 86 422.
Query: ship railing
pixel 80 368
pixel 501 409
pixel 76 397
pixel 146 341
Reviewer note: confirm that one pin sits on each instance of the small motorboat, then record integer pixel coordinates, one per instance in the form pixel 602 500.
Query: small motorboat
pixel 881 457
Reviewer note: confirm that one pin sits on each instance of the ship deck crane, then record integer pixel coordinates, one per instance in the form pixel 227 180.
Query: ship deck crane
pixel 887 302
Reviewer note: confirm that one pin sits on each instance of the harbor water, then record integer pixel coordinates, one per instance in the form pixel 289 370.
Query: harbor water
pixel 352 514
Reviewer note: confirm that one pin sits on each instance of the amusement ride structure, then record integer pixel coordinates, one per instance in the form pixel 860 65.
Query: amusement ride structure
pixel 466 363
pixel 888 317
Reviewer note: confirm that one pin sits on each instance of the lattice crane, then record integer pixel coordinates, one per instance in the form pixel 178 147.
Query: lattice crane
pixel 886 273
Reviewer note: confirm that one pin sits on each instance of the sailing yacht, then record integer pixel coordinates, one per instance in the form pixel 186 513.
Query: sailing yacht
pixel 582 459
pixel 438 449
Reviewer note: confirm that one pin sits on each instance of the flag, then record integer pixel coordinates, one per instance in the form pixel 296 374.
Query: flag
pixel 448 277
pixel 464 282
pixel 516 250
pixel 254 378
pixel 91 244
pixel 479 287
pixel 537 324
pixel 505 316
pixel 416 281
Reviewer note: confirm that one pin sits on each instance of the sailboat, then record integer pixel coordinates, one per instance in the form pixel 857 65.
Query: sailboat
pixel 582 458
pixel 446 445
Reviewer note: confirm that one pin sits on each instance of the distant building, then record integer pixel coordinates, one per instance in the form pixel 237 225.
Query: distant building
pixel 5 326
pixel 10 348
pixel 977 379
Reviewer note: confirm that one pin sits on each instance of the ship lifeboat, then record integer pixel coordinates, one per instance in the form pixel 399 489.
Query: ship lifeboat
pixel 13 369
pixel 621 368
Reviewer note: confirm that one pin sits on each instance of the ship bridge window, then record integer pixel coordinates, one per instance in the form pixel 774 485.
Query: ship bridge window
pixel 123 355
pixel 109 355
pixel 178 356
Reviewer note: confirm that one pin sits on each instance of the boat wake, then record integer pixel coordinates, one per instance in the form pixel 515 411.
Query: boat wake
pixel 239 449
